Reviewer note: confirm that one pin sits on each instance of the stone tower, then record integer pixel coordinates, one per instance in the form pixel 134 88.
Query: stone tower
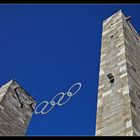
pixel 16 108
pixel 118 104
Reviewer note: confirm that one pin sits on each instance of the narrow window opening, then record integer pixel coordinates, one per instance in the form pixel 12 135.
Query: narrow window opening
pixel 110 77
pixel 18 97
pixel 112 36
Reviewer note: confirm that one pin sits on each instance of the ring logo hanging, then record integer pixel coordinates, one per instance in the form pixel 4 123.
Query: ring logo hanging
pixel 58 99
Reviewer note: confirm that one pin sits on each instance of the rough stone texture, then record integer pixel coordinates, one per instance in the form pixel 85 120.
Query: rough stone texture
pixel 16 108
pixel 118 106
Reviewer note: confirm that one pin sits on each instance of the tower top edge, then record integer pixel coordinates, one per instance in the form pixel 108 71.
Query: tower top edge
pixel 118 13
pixel 7 84
pixel 13 81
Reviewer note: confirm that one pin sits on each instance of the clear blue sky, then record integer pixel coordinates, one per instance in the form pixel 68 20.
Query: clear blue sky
pixel 48 48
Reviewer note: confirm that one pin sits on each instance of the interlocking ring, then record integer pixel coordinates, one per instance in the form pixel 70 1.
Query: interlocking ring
pixel 38 112
pixel 77 89
pixel 52 106
pixel 69 96
pixel 63 94
pixel 53 102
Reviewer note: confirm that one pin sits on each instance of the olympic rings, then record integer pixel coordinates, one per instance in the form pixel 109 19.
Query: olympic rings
pixel 53 102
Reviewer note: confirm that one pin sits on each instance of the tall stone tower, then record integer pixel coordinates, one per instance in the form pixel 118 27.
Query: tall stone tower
pixel 118 105
pixel 16 108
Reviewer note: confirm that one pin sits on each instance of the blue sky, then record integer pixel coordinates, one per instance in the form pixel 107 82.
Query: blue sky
pixel 47 49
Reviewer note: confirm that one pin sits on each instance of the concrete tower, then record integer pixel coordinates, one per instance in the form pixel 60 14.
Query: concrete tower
pixel 16 108
pixel 118 105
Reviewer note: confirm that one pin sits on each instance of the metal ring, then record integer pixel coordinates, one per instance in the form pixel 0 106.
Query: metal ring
pixel 69 94
pixel 42 111
pixel 53 103
pixel 77 89
pixel 43 107
pixel 63 94
pixel 60 104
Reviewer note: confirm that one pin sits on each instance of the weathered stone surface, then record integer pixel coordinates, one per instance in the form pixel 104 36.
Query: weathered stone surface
pixel 15 109
pixel 118 106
